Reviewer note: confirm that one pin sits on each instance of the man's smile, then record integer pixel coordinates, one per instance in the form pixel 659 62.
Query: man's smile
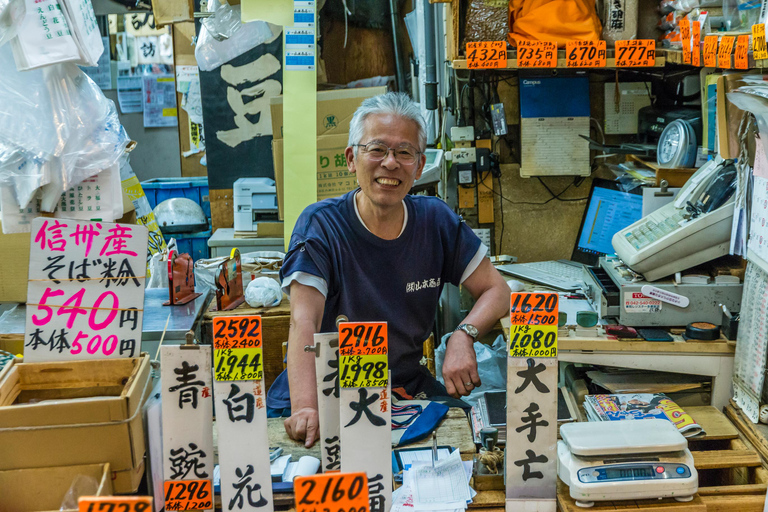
pixel 393 182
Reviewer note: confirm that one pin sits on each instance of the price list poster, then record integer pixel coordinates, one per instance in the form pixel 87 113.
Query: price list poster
pixel 86 290
pixel 531 457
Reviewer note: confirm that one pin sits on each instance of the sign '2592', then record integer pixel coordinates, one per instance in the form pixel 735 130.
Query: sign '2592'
pixel 85 297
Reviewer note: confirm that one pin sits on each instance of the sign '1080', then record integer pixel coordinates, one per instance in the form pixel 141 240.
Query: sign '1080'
pixel 533 325
pixel 363 354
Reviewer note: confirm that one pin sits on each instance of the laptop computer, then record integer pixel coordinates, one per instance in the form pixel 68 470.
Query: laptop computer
pixel 609 210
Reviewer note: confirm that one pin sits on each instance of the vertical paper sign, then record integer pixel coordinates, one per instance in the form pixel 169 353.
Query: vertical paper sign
pixel 724 52
pixel 759 50
pixel 85 298
pixel 685 39
pixel 696 43
pixel 531 474
pixel 710 51
pixel 187 427
pixel 741 55
pixel 327 372
pixel 363 360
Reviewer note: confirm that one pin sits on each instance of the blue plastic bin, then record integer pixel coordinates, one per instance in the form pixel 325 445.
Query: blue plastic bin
pixel 196 189
pixel 194 244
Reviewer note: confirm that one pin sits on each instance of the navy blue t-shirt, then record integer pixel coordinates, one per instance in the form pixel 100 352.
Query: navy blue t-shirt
pixel 370 279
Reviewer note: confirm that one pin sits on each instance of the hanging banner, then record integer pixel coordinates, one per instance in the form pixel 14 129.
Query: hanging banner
pixel 85 298
pixel 327 373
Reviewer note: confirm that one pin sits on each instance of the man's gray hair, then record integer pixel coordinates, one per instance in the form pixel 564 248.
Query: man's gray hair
pixel 394 103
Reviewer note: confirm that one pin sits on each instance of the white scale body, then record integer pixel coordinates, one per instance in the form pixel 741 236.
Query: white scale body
pixel 625 460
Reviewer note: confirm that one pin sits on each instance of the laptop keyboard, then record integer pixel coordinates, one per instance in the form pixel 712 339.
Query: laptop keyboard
pixel 551 273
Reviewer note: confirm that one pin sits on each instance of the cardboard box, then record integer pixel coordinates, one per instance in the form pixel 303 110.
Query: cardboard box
pixel 110 414
pixel 15 268
pixel 333 177
pixel 44 489
pixel 334 109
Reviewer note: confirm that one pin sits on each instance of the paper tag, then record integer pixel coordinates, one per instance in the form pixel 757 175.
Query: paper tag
pixel 740 59
pixel 237 332
pixel 363 354
pixel 238 353
pixel 759 49
pixel 536 54
pixel 115 504
pixel 724 52
pixel 486 54
pixel 636 53
pixel 685 37
pixel 533 329
pixel 238 364
pixel 585 54
pixel 696 43
pixel 188 495
pixel 710 51
pixel 332 492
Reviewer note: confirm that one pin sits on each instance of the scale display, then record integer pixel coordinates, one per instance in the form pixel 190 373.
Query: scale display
pixel 626 472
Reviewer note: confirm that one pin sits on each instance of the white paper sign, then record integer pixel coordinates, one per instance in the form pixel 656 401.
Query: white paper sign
pixel 185 372
pixel 44 36
pixel 85 298
pixel 327 372
pixel 159 97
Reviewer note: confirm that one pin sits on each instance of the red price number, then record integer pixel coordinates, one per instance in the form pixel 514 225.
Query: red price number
pixel 188 495
pixel 115 504
pixel 237 332
pixel 332 492
pixel 362 338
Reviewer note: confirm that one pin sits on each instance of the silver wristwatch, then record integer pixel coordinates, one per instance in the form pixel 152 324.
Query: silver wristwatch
pixel 469 329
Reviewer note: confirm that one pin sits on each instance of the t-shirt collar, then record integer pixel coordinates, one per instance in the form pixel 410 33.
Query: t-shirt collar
pixel 357 212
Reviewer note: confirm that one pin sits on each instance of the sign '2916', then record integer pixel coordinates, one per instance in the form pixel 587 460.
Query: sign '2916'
pixel 85 297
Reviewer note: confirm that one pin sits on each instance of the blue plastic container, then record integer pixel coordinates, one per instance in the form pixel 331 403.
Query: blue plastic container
pixel 194 244
pixel 196 189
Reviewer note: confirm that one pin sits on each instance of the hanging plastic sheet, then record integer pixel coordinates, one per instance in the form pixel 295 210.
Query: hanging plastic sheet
pixel 11 14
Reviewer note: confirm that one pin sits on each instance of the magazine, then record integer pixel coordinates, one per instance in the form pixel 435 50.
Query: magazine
pixel 640 406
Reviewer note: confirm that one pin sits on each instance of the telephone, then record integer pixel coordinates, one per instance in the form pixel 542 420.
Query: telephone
pixel 693 229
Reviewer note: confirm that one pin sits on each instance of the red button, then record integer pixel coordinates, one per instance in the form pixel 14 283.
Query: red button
pixel 659 469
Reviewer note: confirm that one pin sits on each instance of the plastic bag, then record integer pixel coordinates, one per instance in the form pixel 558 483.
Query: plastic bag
pixel 619 20
pixel 223 37
pixel 491 366
pixel 11 14
pixel 263 292
pixel 82 485
pixel 486 21
pixel 553 20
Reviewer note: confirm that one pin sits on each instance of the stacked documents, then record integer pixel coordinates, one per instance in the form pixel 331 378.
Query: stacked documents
pixel 442 487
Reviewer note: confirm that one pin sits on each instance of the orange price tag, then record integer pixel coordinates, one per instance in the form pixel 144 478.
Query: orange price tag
pixel 696 43
pixel 486 55
pixel 740 58
pixel 362 338
pixel 636 53
pixel 363 359
pixel 585 54
pixel 685 38
pixel 332 492
pixel 111 504
pixel 724 52
pixel 710 51
pixel 536 54
pixel 236 332
pixel 759 49
pixel 533 325
pixel 188 494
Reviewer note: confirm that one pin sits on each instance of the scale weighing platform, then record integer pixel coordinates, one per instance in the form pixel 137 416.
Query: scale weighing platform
pixel 625 460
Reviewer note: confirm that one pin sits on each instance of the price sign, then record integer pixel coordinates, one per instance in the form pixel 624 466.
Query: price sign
pixel 724 52
pixel 188 495
pixel 115 504
pixel 332 492
pixel 536 54
pixel 685 37
pixel 759 49
pixel 741 56
pixel 486 55
pixel 363 359
pixel 533 329
pixel 636 53
pixel 237 348
pixel 696 43
pixel 710 51
pixel 585 54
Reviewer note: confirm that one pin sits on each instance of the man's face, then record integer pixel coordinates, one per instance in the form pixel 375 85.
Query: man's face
pixel 386 182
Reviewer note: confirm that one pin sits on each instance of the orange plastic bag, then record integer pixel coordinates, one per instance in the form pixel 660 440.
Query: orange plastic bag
pixel 553 20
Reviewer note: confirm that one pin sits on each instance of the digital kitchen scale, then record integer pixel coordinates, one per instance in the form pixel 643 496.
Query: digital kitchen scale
pixel 625 460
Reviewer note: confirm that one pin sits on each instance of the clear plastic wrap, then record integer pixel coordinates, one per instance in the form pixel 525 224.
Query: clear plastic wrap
pixel 487 20
pixel 11 14
pixel 619 20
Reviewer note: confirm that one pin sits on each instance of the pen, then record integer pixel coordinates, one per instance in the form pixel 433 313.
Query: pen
pixel 434 448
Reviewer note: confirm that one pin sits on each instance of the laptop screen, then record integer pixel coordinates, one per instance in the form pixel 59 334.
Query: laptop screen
pixel 609 210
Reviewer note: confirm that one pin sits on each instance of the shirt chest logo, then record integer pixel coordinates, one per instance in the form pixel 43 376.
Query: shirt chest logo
pixel 416 286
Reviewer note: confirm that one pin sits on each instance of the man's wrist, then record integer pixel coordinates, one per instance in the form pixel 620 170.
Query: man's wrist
pixel 463 336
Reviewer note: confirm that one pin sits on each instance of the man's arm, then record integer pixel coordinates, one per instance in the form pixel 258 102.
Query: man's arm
pixel 307 305
pixel 491 294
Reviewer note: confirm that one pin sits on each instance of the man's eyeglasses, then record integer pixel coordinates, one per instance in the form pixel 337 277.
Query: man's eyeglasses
pixel 404 153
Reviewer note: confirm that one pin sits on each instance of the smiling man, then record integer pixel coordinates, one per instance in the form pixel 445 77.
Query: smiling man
pixel 379 254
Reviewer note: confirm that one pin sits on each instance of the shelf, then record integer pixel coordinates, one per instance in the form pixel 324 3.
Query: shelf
pixel 561 61
pixel 674 177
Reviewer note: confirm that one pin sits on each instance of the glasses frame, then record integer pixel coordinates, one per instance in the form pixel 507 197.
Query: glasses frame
pixel 394 152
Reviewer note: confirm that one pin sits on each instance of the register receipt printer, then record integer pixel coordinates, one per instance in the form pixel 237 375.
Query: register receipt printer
pixel 255 200
pixel 693 229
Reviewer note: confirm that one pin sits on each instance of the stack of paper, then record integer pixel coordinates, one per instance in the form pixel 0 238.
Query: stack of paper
pixel 442 487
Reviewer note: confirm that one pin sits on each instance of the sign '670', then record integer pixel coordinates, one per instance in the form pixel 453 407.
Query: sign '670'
pixel 85 297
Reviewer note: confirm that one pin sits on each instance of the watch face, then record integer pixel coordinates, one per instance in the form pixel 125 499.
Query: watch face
pixel 469 329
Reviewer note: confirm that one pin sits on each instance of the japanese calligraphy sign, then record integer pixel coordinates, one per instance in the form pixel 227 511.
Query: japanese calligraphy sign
pixel 636 53
pixel 115 504
pixel 486 54
pixel 536 54
pixel 327 373
pixel 363 360
pixel 724 52
pixel 759 49
pixel 187 426
pixel 696 43
pixel 740 57
pixel 85 298
pixel 241 420
pixel 533 325
pixel 710 51
pixel 237 349
pixel 531 471
pixel 585 54
pixel 685 38
pixel 366 439
pixel 340 492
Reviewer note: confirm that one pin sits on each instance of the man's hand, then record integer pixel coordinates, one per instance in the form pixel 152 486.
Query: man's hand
pixel 460 365
pixel 303 425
